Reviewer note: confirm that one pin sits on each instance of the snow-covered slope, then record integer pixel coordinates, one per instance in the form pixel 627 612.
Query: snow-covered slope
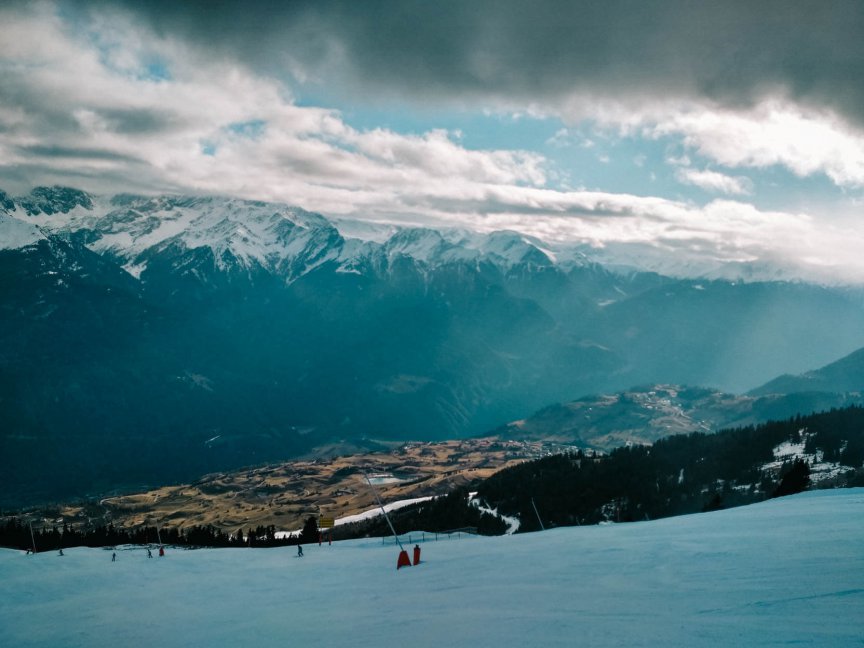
pixel 781 572
pixel 15 234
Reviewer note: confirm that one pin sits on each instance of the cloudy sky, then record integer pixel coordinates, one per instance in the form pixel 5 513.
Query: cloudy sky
pixel 722 132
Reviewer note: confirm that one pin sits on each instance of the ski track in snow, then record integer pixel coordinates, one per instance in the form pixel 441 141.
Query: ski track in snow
pixel 512 522
pixel 785 571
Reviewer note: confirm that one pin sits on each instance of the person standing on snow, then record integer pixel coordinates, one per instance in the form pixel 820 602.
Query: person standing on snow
pixel 114 557
pixel 299 551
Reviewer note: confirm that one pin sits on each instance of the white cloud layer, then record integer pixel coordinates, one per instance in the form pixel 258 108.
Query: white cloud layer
pixel 773 132
pixel 109 107
pixel 714 181
pixel 77 110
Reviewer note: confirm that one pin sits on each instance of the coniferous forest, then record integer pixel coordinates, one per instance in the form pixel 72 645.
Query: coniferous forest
pixel 676 475
pixel 16 533
pixel 679 474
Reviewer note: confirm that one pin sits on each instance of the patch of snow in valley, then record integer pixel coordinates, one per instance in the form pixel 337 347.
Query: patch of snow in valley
pixel 365 515
pixel 135 269
pixel 820 470
pixel 789 450
pixel 392 506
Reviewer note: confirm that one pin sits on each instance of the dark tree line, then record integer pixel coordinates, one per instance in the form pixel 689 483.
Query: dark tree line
pixel 435 516
pixel 838 435
pixel 676 475
pixel 15 533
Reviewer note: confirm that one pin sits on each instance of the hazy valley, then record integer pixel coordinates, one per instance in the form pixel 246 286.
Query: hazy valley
pixel 151 340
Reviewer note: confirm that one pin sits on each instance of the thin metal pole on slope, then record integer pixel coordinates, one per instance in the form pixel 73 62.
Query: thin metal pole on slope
pixel 32 537
pixel 384 511
pixel 542 528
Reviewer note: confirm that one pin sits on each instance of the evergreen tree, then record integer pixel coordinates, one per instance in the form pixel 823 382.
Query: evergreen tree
pixel 309 534
pixel 796 479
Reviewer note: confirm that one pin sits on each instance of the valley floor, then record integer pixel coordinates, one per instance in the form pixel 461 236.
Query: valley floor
pixel 286 494
pixel 785 571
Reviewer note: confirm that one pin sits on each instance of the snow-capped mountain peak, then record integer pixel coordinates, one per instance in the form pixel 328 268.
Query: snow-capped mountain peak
pixel 275 237
pixel 279 238
pixel 15 234
pixel 427 246
pixel 245 234
pixel 47 200
pixel 513 248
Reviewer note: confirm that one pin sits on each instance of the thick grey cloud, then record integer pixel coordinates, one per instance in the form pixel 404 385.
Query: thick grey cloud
pixel 732 52
pixel 44 151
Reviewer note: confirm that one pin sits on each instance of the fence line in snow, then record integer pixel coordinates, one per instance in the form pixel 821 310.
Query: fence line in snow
pixel 416 537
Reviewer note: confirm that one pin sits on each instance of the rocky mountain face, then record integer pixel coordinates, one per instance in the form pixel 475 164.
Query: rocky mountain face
pixel 153 338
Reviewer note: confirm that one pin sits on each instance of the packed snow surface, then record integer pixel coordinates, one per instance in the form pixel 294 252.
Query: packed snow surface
pixel 787 571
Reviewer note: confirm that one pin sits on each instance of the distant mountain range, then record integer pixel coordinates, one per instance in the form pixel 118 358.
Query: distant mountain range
pixel 641 416
pixel 844 376
pixel 145 339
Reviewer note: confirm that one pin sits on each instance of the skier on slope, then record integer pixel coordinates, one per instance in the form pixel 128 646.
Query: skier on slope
pixel 299 551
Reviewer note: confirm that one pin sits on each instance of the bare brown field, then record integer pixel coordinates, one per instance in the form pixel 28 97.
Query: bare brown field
pixel 285 494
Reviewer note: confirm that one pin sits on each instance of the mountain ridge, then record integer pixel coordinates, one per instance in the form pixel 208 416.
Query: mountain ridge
pixel 643 415
pixel 282 239
pixel 842 376
pixel 161 323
